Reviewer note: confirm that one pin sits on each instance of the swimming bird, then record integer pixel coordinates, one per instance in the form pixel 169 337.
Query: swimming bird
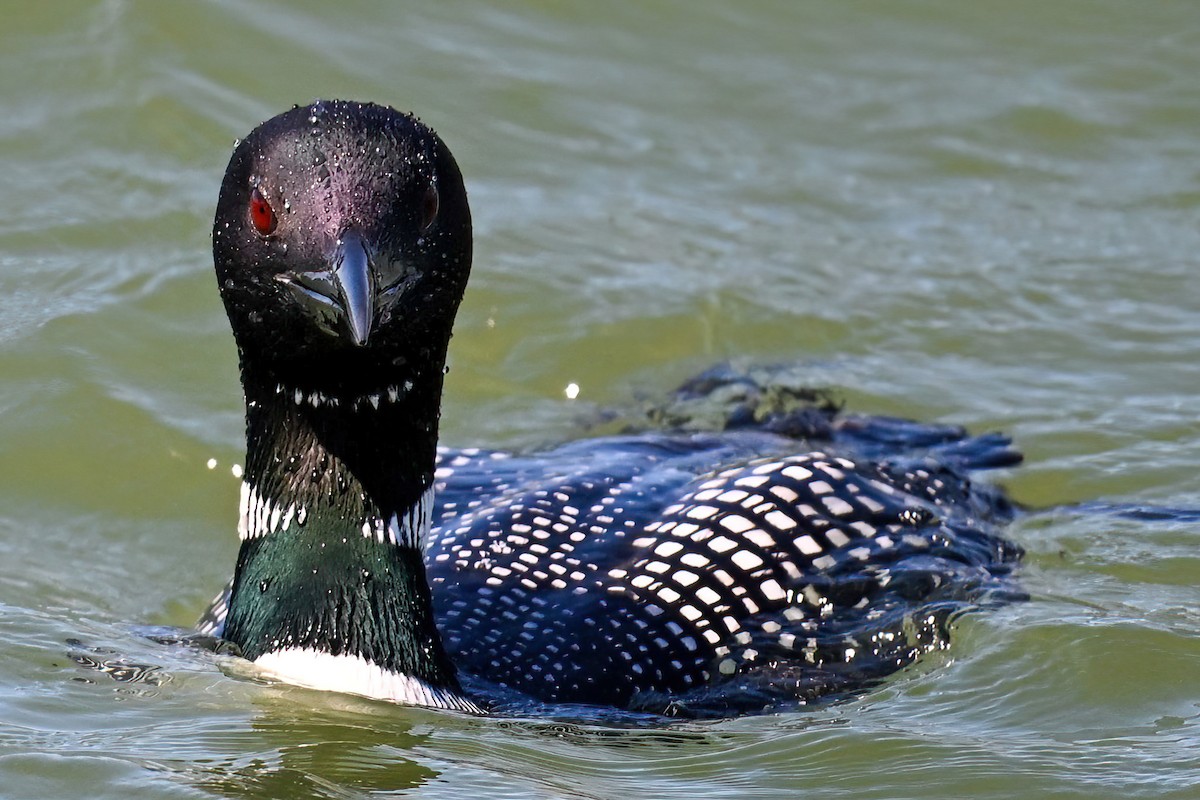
pixel 783 557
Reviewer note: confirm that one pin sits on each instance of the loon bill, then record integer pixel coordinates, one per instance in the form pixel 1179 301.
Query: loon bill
pixel 732 571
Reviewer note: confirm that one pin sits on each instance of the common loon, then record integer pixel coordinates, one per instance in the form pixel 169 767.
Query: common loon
pixel 666 571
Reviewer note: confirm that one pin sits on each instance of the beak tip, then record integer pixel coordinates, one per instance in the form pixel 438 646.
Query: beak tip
pixel 359 333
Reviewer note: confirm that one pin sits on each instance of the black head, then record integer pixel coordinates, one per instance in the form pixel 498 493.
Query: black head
pixel 342 244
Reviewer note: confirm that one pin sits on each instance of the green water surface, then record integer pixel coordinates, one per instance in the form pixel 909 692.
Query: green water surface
pixel 985 214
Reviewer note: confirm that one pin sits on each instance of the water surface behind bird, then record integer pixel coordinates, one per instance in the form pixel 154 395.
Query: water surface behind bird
pixel 968 215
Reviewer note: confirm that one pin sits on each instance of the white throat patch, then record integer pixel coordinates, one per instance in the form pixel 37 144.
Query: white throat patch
pixel 389 395
pixel 259 516
pixel 315 669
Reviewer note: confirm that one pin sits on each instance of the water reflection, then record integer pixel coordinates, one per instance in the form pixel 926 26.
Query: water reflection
pixel 292 749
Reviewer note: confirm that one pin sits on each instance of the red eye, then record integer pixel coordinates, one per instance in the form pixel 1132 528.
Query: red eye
pixel 429 206
pixel 261 213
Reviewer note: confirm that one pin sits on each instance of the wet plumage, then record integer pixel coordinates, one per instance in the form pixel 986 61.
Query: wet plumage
pixel 785 555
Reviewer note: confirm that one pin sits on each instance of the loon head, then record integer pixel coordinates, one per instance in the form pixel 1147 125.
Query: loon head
pixel 342 244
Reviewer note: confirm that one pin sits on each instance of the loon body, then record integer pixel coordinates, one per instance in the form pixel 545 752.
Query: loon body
pixel 669 571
